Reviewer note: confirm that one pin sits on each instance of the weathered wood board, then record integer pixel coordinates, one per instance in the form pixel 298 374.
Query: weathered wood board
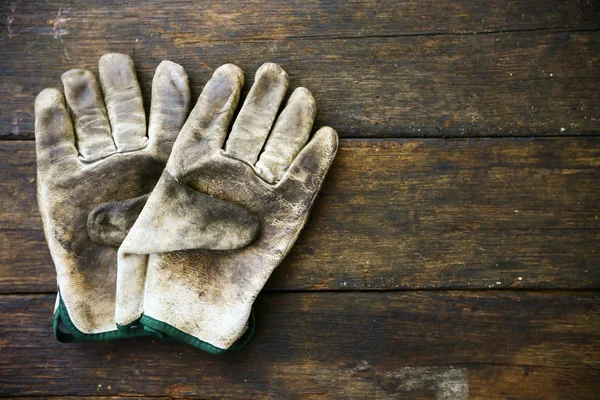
pixel 449 69
pixel 365 305
pixel 534 345
pixel 399 214
pixel 230 20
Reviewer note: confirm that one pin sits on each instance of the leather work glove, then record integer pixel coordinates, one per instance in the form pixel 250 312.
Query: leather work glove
pixel 223 215
pixel 96 166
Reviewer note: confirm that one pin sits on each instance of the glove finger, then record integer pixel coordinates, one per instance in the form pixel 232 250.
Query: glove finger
pixel 124 101
pixel 92 128
pixel 307 172
pixel 54 138
pixel 290 134
pixel 170 106
pixel 208 122
pixel 108 223
pixel 253 123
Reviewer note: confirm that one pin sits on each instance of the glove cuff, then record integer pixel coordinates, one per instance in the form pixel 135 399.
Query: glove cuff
pixel 169 332
pixel 65 330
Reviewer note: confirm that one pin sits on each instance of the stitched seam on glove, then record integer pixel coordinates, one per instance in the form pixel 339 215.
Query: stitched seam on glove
pixel 175 334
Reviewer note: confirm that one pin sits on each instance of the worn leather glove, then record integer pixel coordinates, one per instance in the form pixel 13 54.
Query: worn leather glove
pixel 220 220
pixel 95 169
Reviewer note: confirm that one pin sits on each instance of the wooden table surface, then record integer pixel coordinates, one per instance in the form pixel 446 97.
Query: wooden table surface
pixel 455 250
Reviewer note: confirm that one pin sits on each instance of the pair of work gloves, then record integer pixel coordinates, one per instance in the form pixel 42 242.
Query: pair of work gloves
pixel 172 227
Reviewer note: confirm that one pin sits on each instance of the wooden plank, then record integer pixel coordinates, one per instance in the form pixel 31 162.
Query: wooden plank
pixel 97 397
pixel 381 83
pixel 267 20
pixel 418 345
pixel 399 214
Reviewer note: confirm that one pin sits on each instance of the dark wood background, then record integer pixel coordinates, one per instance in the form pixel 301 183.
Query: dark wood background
pixel 455 250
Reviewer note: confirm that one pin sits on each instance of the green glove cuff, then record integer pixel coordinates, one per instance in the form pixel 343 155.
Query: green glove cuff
pixel 61 317
pixel 165 331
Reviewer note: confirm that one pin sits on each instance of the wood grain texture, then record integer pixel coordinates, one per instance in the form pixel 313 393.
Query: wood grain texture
pixel 97 397
pixel 418 69
pixel 399 214
pixel 267 20
pixel 506 213
pixel 418 345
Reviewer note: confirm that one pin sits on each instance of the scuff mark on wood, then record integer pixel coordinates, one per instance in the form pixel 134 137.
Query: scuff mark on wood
pixel 59 24
pixel 441 383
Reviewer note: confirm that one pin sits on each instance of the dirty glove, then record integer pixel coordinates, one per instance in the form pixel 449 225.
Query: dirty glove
pixel 96 167
pixel 220 220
